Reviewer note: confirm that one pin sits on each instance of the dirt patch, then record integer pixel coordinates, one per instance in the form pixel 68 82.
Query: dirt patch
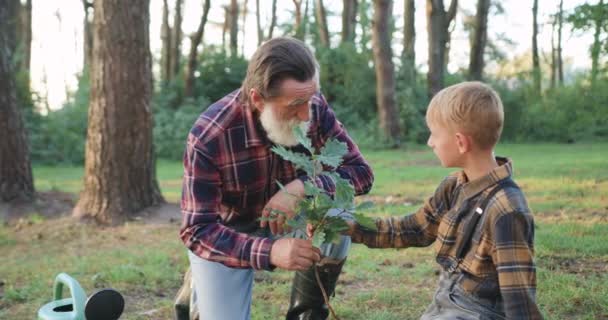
pixel 55 204
pixel 51 204
pixel 582 266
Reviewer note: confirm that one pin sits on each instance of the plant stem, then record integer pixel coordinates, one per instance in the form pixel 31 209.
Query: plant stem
pixel 325 297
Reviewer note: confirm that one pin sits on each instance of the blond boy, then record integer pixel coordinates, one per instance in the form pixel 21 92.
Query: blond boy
pixel 488 273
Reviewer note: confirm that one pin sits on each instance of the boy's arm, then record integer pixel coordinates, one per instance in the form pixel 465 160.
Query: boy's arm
pixel 415 230
pixel 513 256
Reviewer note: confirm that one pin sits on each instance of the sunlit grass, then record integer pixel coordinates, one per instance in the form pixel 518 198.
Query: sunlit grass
pixel 566 185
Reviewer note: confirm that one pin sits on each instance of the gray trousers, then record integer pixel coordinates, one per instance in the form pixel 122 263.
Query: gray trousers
pixel 452 302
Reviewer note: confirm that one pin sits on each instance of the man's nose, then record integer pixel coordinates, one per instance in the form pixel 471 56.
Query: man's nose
pixel 303 113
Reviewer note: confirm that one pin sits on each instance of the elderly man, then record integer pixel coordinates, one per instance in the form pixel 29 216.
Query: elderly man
pixel 230 177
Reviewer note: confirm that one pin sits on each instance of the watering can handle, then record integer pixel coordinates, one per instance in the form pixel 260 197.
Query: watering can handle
pixel 78 296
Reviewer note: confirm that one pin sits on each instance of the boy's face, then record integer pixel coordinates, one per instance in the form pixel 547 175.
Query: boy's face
pixel 444 143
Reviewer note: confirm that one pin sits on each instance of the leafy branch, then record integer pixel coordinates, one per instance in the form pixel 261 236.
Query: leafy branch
pixel 313 209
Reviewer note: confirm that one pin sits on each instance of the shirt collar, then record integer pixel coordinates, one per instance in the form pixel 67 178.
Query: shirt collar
pixel 473 188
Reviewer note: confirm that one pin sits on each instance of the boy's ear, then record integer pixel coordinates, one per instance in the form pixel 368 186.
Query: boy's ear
pixel 464 142
pixel 256 99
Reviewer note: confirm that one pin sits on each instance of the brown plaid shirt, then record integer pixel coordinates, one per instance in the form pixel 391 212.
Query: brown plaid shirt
pixel 500 260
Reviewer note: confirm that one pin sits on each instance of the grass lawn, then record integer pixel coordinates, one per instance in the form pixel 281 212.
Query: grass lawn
pixel 566 185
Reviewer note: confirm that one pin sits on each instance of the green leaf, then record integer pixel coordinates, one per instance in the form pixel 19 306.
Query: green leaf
pixel 335 224
pixel 332 153
pixel 311 190
pixel 300 160
pixel 365 205
pixel 303 139
pixel 345 193
pixel 365 222
pixel 296 224
pixel 331 236
pixel 318 238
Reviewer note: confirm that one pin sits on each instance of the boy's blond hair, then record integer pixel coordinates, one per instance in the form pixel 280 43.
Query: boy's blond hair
pixel 473 108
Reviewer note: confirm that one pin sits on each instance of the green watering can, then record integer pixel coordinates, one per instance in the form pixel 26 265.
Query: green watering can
pixel 106 304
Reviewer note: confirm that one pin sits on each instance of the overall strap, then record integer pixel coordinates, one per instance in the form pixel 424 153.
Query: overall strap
pixel 463 245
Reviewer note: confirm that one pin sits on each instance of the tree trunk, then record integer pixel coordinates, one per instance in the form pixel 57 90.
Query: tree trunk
pixel 176 39
pixel 385 70
pixel 88 33
pixel 349 20
pixel 553 54
pixel 258 22
pixel 297 27
pixel 560 62
pixel 165 36
pixel 408 56
pixel 24 37
pixel 409 31
pixel 438 21
pixel 16 182
pixel 596 48
pixel 226 26
pixel 119 174
pixel 234 28
pixel 195 41
pixel 322 23
pixel 535 60
pixel 273 19
pixel 244 24
pixel 480 34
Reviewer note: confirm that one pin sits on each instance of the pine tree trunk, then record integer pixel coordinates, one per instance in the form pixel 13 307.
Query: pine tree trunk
pixel 258 23
pixel 24 37
pixel 535 60
pixel 553 55
pixel 88 33
pixel 16 182
pixel 176 39
pixel 234 28
pixel 408 56
pixel 438 21
pixel 480 34
pixel 322 23
pixel 385 70
pixel 244 24
pixel 297 27
pixel 119 159
pixel 596 47
pixel 196 40
pixel 273 19
pixel 349 20
pixel 165 36
pixel 560 62
pixel 409 31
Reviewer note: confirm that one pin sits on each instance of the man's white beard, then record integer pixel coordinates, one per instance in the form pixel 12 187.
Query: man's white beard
pixel 281 131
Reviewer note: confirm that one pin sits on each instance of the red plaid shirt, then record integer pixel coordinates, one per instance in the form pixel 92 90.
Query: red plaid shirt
pixel 230 173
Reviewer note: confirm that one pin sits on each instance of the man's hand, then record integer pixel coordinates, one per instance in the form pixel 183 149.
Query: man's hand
pixel 294 254
pixel 284 202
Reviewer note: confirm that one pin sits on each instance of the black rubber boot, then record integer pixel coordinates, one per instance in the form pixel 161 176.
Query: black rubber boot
pixel 306 297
